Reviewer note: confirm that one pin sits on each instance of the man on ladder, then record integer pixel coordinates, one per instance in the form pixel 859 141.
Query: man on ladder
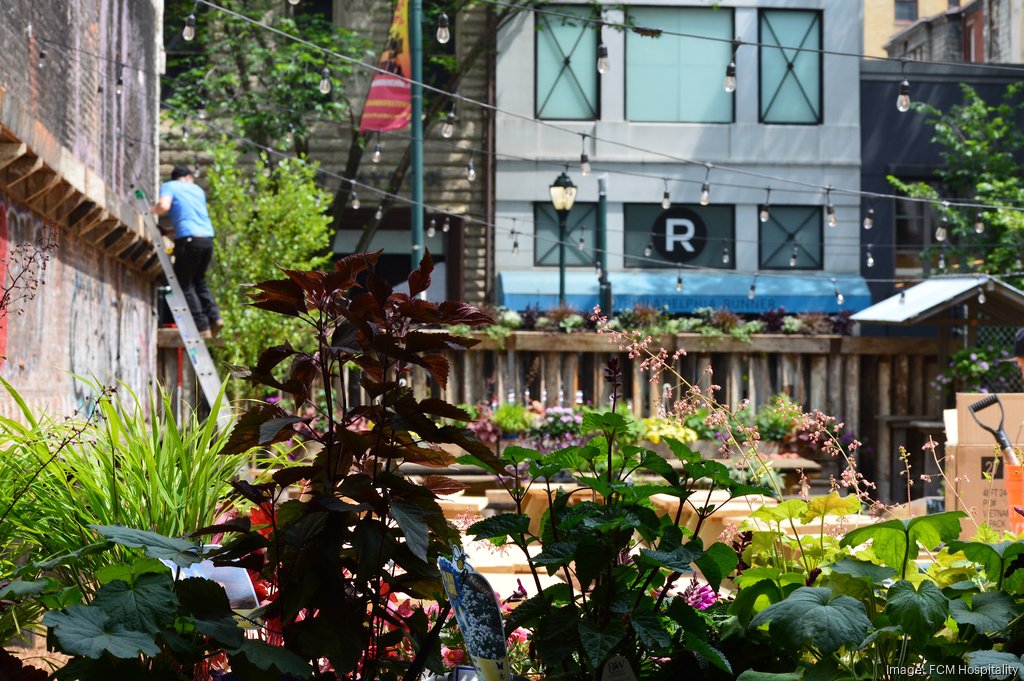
pixel 185 202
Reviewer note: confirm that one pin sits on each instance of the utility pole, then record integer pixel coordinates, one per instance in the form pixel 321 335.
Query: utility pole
pixel 416 127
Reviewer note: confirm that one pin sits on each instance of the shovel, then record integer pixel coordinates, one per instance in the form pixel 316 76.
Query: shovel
pixel 1013 480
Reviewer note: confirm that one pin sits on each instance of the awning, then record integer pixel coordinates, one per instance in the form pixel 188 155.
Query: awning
pixel 808 292
pixel 1004 304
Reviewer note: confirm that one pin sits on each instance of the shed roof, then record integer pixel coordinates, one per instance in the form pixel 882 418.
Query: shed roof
pixel 1003 306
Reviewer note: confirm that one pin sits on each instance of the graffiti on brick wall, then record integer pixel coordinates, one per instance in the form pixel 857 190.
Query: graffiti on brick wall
pixel 92 319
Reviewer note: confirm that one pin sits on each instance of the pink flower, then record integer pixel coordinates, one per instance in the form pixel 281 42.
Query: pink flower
pixel 520 635
pixel 453 657
pixel 699 596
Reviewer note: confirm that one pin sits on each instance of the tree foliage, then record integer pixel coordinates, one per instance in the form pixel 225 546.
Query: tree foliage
pixel 981 146
pixel 264 222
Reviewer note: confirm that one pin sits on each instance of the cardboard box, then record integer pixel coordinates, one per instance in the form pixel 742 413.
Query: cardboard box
pixel 971 453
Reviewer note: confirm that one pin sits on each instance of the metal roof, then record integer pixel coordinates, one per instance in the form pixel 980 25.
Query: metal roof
pixel 1003 306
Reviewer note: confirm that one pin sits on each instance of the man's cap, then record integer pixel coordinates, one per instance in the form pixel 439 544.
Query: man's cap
pixel 1018 344
pixel 180 171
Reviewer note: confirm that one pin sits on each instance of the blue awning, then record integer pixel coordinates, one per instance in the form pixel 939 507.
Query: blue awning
pixel 808 292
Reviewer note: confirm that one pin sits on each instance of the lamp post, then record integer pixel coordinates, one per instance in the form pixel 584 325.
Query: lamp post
pixel 563 195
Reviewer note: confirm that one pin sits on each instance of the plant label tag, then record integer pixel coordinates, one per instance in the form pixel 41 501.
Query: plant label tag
pixel 618 669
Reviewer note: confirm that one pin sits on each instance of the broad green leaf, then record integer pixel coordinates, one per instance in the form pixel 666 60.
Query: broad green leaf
pixel 179 551
pixel 988 612
pixel 920 612
pixel 831 504
pixel 682 451
pixel 516 455
pixel 88 631
pixel 413 522
pixel 678 560
pixel 499 526
pixel 556 636
pixel 752 576
pixel 983 661
pixel 555 556
pixel 87 550
pixel 994 557
pixel 751 675
pixel 129 572
pixel 265 656
pixel 762 594
pixel 861 569
pixel 895 542
pixel 604 421
pixel 717 562
pixel 708 651
pixel 203 598
pixel 148 604
pixel 19 589
pixel 812 616
pixel 791 509
pixel 650 630
pixel 599 643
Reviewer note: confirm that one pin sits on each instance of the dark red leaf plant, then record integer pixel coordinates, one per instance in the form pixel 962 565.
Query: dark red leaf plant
pixel 355 534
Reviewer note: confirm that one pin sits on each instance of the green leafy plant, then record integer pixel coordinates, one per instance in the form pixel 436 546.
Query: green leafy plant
pixel 977 369
pixel 512 418
pixel 264 222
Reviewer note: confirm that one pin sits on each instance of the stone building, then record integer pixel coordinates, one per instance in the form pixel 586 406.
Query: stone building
pixel 78 120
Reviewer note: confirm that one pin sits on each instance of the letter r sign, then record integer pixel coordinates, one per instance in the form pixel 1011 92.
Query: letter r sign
pixel 679 231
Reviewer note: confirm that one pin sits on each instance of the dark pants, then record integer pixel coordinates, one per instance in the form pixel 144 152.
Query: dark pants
pixel 192 257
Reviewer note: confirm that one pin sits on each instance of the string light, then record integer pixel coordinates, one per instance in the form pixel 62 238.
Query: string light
pixel 597 269
pixel 679 281
pixel 119 87
pixel 648 249
pixel 380 212
pixel 830 210
pixel 839 294
pixel 189 32
pixel 726 257
pixel 705 188
pixel 730 70
pixel 869 218
pixel 942 261
pixel 763 212
pixel 903 297
pixel 584 159
pixel 443 34
pixel 515 246
pixel 378 150
pixel 198 173
pixel 981 295
pixel 325 81
pixel 294 2
pixel 753 288
pixel 446 225
pixel 184 131
pixel 470 171
pixel 602 54
pixel 942 231
pixel 42 57
pixel 448 127
pixel 979 223
pixel 432 228
pixel 355 200
pixel 666 200
pixel 582 243
pixel 794 255
pixel 870 260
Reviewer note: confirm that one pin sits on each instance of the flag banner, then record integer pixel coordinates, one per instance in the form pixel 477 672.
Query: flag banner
pixel 389 102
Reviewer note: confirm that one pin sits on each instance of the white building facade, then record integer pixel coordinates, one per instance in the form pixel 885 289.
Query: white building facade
pixel 652 122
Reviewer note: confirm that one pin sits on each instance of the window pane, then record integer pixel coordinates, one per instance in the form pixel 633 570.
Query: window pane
pixel 685 234
pixel 790 78
pixel 581 221
pixel 679 79
pixel 566 66
pixel 791 238
pixel 906 10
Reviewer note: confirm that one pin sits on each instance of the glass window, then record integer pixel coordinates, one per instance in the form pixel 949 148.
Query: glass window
pixel 692 235
pixel 790 76
pixel 791 239
pixel 566 53
pixel 676 79
pixel 580 223
pixel 906 10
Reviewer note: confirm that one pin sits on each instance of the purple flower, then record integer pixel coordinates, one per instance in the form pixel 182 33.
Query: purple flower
pixel 699 596
pixel 974 357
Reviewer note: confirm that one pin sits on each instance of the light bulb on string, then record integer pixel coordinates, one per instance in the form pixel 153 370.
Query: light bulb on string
pixel 378 151
pixel 903 99
pixel 355 201
pixel 184 131
pixel 432 228
pixel 597 269
pixel 730 77
pixel 870 259
pixel 705 187
pixel 584 159
pixel 119 87
pixel 581 244
pixel 380 213
pixel 752 291
pixel 793 256
pixel 763 212
pixel 42 57
pixel 979 223
pixel 726 256
pixel 189 32
pixel 869 218
pixel 325 81
pixel 903 297
pixel 942 261
pixel 666 199
pixel 294 2
pixel 648 249
pixel 448 127
pixel 470 171
pixel 981 296
pixel 515 246
pixel 444 34
pixel 446 225
pixel 679 281
pixel 830 209
pixel 198 172
pixel 602 57
pixel 942 231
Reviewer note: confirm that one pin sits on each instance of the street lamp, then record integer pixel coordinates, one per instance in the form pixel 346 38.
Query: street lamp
pixel 563 195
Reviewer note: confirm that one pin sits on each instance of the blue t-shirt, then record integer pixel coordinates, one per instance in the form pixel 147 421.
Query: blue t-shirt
pixel 188 209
